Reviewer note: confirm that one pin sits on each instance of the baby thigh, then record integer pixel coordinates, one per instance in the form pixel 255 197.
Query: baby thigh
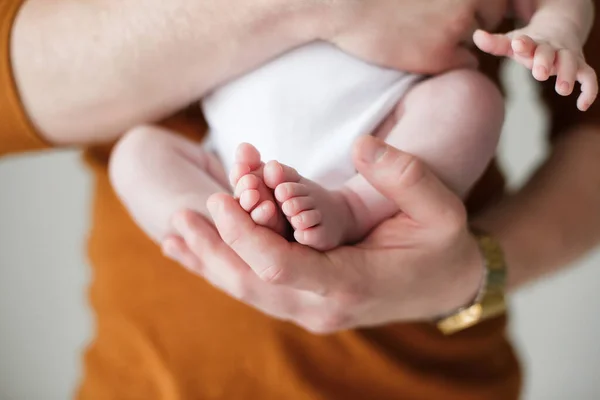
pixel 156 173
pixel 452 122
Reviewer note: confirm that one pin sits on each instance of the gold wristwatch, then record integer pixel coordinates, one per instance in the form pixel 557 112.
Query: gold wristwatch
pixel 490 301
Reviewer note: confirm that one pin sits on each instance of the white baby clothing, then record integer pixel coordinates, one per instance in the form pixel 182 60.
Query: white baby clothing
pixel 305 109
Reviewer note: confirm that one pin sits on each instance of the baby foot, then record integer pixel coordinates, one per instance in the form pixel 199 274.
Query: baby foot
pixel 254 196
pixel 321 218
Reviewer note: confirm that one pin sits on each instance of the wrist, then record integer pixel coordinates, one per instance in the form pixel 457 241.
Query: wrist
pixel 489 301
pixel 470 277
pixel 570 28
pixel 510 223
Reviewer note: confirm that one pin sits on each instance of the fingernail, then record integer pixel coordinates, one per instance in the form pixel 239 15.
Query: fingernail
pixel 373 150
pixel 541 71
pixel 564 87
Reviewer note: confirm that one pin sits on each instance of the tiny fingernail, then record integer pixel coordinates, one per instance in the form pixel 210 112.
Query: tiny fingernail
pixel 373 150
pixel 564 87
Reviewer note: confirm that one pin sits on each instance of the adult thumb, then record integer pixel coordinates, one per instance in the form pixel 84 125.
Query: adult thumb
pixel 405 180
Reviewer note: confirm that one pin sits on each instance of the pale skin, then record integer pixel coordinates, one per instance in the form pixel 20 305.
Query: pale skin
pixel 177 176
pixel 434 279
pixel 102 86
pixel 394 274
pixel 550 45
pixel 457 146
pixel 546 225
pixel 325 219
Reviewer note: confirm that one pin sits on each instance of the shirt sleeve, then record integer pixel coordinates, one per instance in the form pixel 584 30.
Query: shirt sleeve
pixel 17 133
pixel 563 111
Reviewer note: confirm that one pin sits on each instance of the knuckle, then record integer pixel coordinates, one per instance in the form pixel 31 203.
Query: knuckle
pixel 194 240
pixel 412 171
pixel 454 218
pixel 274 274
pixel 233 238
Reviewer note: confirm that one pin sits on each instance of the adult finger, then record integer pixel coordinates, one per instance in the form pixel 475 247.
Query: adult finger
pixel 268 254
pixel 405 180
pixel 205 254
pixel 175 248
pixel 222 267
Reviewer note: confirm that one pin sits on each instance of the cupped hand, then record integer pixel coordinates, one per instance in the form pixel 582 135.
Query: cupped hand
pixel 420 264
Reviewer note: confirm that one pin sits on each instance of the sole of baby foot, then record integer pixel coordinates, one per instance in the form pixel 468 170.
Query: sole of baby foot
pixel 253 194
pixel 321 218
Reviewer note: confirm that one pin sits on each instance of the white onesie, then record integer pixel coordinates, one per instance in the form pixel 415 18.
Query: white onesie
pixel 305 109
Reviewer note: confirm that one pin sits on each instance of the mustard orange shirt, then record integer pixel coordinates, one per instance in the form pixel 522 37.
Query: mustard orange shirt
pixel 163 333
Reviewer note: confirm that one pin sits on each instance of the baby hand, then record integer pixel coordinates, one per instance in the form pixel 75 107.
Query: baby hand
pixel 545 57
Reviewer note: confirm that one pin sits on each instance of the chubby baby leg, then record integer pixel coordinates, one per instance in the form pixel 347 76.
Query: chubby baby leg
pixel 157 173
pixel 452 122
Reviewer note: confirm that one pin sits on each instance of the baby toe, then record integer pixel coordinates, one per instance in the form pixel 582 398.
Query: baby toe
pixel 296 205
pixel 306 219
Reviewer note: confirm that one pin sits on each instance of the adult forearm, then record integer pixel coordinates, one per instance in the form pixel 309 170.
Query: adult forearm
pixel 554 219
pixel 89 70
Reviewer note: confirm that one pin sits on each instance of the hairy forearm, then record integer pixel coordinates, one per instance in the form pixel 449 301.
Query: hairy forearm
pixel 89 70
pixel 555 218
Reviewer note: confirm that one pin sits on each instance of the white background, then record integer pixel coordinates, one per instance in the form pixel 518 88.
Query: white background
pixel 45 322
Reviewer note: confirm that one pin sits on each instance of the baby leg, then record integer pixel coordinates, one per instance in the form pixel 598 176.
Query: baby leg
pixel 157 173
pixel 451 122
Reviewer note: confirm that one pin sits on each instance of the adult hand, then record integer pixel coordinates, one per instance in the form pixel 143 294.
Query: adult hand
pixel 420 264
pixel 412 35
